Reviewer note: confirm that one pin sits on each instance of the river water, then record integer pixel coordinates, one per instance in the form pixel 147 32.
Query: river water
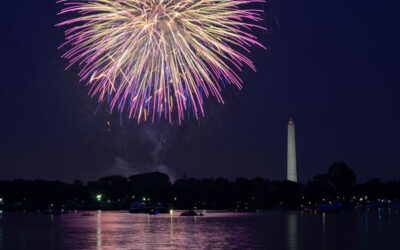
pixel 366 229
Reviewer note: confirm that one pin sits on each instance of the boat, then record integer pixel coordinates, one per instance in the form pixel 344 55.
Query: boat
pixel 154 212
pixel 191 213
pixel 308 209
pixel 335 206
pixel 325 207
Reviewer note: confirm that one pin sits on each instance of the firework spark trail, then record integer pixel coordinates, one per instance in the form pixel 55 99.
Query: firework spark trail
pixel 151 57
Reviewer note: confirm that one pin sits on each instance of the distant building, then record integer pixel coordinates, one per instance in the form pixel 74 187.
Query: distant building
pixel 291 153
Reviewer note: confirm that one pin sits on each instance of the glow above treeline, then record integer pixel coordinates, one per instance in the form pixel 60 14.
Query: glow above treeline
pixel 159 58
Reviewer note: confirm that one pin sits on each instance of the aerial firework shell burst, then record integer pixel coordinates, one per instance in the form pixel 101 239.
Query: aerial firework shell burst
pixel 159 58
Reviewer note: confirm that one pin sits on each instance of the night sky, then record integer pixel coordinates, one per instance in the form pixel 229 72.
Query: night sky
pixel 332 65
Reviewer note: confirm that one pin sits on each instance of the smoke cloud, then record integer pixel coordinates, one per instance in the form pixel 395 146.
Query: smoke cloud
pixel 150 157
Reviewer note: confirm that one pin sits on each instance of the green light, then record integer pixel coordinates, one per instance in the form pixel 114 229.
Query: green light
pixel 98 197
pixel 144 199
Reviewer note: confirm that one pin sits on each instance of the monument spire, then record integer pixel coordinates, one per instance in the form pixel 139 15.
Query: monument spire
pixel 291 153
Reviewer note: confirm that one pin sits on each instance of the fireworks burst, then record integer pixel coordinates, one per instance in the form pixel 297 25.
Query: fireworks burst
pixel 153 58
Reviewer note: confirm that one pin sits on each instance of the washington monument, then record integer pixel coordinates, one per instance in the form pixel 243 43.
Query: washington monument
pixel 291 153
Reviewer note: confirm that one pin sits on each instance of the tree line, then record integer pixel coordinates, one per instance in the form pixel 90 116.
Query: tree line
pixel 118 192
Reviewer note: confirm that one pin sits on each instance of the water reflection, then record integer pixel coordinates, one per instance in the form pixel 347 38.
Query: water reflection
pixel 99 230
pixel 389 234
pixel 379 222
pixel 365 229
pixel 1 230
pixel 292 229
pixel 324 243
pixel 268 230
pixel 171 229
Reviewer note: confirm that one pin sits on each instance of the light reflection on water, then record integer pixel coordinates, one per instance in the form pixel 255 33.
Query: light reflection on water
pixel 292 218
pixel 324 244
pixel 98 229
pixel 1 230
pixel 367 229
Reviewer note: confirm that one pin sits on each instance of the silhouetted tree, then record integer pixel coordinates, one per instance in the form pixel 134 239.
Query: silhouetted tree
pixel 320 186
pixel 341 177
pixel 118 192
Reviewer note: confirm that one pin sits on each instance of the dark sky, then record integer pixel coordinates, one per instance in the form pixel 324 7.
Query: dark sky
pixel 332 65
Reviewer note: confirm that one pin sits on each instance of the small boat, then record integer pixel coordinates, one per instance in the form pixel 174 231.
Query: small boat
pixel 154 212
pixel 335 207
pixel 309 209
pixel 190 213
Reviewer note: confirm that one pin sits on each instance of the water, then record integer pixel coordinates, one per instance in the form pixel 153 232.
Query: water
pixel 374 229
